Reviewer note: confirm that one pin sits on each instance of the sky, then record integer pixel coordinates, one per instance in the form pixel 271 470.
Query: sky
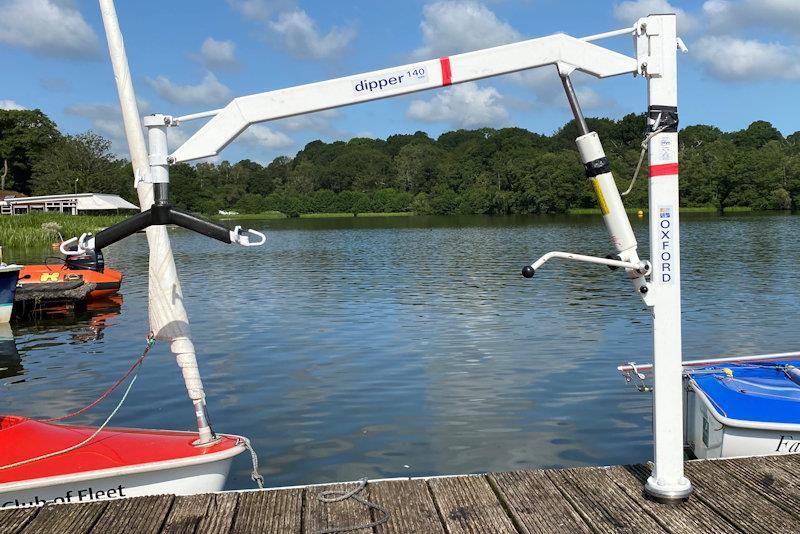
pixel 187 56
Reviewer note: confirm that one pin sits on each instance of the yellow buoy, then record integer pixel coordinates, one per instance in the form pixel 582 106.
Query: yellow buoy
pixel 640 213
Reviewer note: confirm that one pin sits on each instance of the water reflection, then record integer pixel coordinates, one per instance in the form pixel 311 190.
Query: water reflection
pixel 411 346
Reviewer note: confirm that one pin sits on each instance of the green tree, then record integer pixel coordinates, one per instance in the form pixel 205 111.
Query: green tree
pixel 24 136
pixel 82 163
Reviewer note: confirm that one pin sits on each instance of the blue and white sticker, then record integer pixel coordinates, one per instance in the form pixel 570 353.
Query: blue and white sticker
pixel 665 261
pixel 392 81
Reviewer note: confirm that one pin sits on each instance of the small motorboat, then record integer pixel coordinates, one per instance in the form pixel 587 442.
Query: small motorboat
pixel 8 286
pixel 80 275
pixel 743 409
pixel 118 462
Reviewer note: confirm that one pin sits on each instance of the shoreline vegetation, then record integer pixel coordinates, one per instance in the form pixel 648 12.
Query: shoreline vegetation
pixel 487 171
pixel 41 229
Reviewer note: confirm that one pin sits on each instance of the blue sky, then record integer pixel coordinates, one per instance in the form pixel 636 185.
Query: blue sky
pixel 192 55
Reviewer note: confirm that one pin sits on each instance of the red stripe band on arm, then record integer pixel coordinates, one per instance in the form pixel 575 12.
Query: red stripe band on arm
pixel 664 169
pixel 447 75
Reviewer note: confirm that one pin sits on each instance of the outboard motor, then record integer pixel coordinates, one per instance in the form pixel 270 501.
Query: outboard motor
pixel 91 259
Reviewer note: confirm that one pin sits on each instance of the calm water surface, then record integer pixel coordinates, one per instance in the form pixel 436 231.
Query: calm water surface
pixel 412 346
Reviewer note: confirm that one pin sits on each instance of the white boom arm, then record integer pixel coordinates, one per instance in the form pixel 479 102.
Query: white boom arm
pixel 246 110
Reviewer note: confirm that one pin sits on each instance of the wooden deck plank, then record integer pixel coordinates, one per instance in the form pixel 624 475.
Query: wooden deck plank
pixel 411 507
pixel 739 504
pixel 186 514
pixel 601 503
pixel 536 504
pixel 321 516
pixel 275 511
pixel 136 514
pixel 686 518
pixel 220 514
pixel 67 518
pixel 468 505
pixel 770 477
pixel 14 520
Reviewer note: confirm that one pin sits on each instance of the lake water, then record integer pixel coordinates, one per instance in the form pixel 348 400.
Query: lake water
pixel 412 346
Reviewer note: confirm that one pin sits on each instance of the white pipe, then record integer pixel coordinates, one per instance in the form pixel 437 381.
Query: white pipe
pixel 589 259
pixel 605 35
pixel 711 361
pixel 200 115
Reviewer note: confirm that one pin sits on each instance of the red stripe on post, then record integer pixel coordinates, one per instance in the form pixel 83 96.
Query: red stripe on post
pixel 447 75
pixel 664 169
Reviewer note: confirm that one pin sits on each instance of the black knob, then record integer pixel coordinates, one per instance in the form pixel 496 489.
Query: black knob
pixel 613 257
pixel 528 271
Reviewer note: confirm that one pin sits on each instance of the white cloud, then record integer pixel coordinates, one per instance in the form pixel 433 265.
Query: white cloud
pixel 466 106
pixel 9 105
pixel 263 137
pixel 546 83
pixel 730 58
pixel 260 10
pixel 731 15
pixel 455 26
pixel 219 55
pixel 209 91
pixel 630 11
pixel 302 39
pixel 51 28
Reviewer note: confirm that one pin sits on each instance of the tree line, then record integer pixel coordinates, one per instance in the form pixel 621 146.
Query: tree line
pixel 483 171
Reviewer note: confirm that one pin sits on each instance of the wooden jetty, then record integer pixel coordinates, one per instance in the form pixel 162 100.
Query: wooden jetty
pixel 759 494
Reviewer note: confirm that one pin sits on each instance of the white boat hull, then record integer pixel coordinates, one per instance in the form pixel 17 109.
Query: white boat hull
pixel 711 435
pixel 183 476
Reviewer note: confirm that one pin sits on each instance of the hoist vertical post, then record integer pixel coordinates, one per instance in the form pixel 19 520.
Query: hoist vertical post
pixel 656 51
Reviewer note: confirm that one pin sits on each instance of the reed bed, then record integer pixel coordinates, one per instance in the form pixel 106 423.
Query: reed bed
pixel 38 229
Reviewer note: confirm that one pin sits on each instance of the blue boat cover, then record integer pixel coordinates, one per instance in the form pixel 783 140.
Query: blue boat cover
pixel 756 391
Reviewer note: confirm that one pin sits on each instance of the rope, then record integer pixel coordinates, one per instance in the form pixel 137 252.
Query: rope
pixel 254 474
pixel 150 342
pixel 332 496
pixel 643 152
pixel 82 443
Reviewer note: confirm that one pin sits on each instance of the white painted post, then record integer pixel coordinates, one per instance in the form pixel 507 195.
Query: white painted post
pixel 657 50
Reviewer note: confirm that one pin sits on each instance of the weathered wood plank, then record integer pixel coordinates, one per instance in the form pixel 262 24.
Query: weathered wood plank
pixel 688 517
pixel 220 514
pixel 768 477
pixel 739 504
pixel 276 511
pixel 468 505
pixel 14 520
pixel 137 514
pixel 601 503
pixel 320 516
pixel 67 518
pixel 411 507
pixel 536 504
pixel 186 514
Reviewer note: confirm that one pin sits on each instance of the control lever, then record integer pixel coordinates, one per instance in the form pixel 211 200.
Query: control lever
pixel 641 268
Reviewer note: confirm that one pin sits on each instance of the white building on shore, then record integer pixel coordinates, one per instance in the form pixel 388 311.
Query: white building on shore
pixel 72 203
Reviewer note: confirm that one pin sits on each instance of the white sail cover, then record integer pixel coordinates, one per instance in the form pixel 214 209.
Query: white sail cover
pixel 168 319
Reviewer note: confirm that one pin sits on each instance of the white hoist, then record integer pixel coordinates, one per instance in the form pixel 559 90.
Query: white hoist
pixel 657 282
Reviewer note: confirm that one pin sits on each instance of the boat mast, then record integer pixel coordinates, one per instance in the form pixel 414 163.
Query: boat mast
pixel 168 319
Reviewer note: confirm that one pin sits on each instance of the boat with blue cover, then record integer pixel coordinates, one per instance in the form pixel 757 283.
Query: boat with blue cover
pixel 8 287
pixel 743 409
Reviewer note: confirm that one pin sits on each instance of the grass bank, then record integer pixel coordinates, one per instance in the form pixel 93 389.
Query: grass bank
pixel 267 215
pixel 37 229
pixel 634 211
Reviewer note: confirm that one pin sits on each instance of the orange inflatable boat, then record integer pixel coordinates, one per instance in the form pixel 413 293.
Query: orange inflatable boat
pixel 74 272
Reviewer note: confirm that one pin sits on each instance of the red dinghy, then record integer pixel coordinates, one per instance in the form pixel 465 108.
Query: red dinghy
pixel 118 462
